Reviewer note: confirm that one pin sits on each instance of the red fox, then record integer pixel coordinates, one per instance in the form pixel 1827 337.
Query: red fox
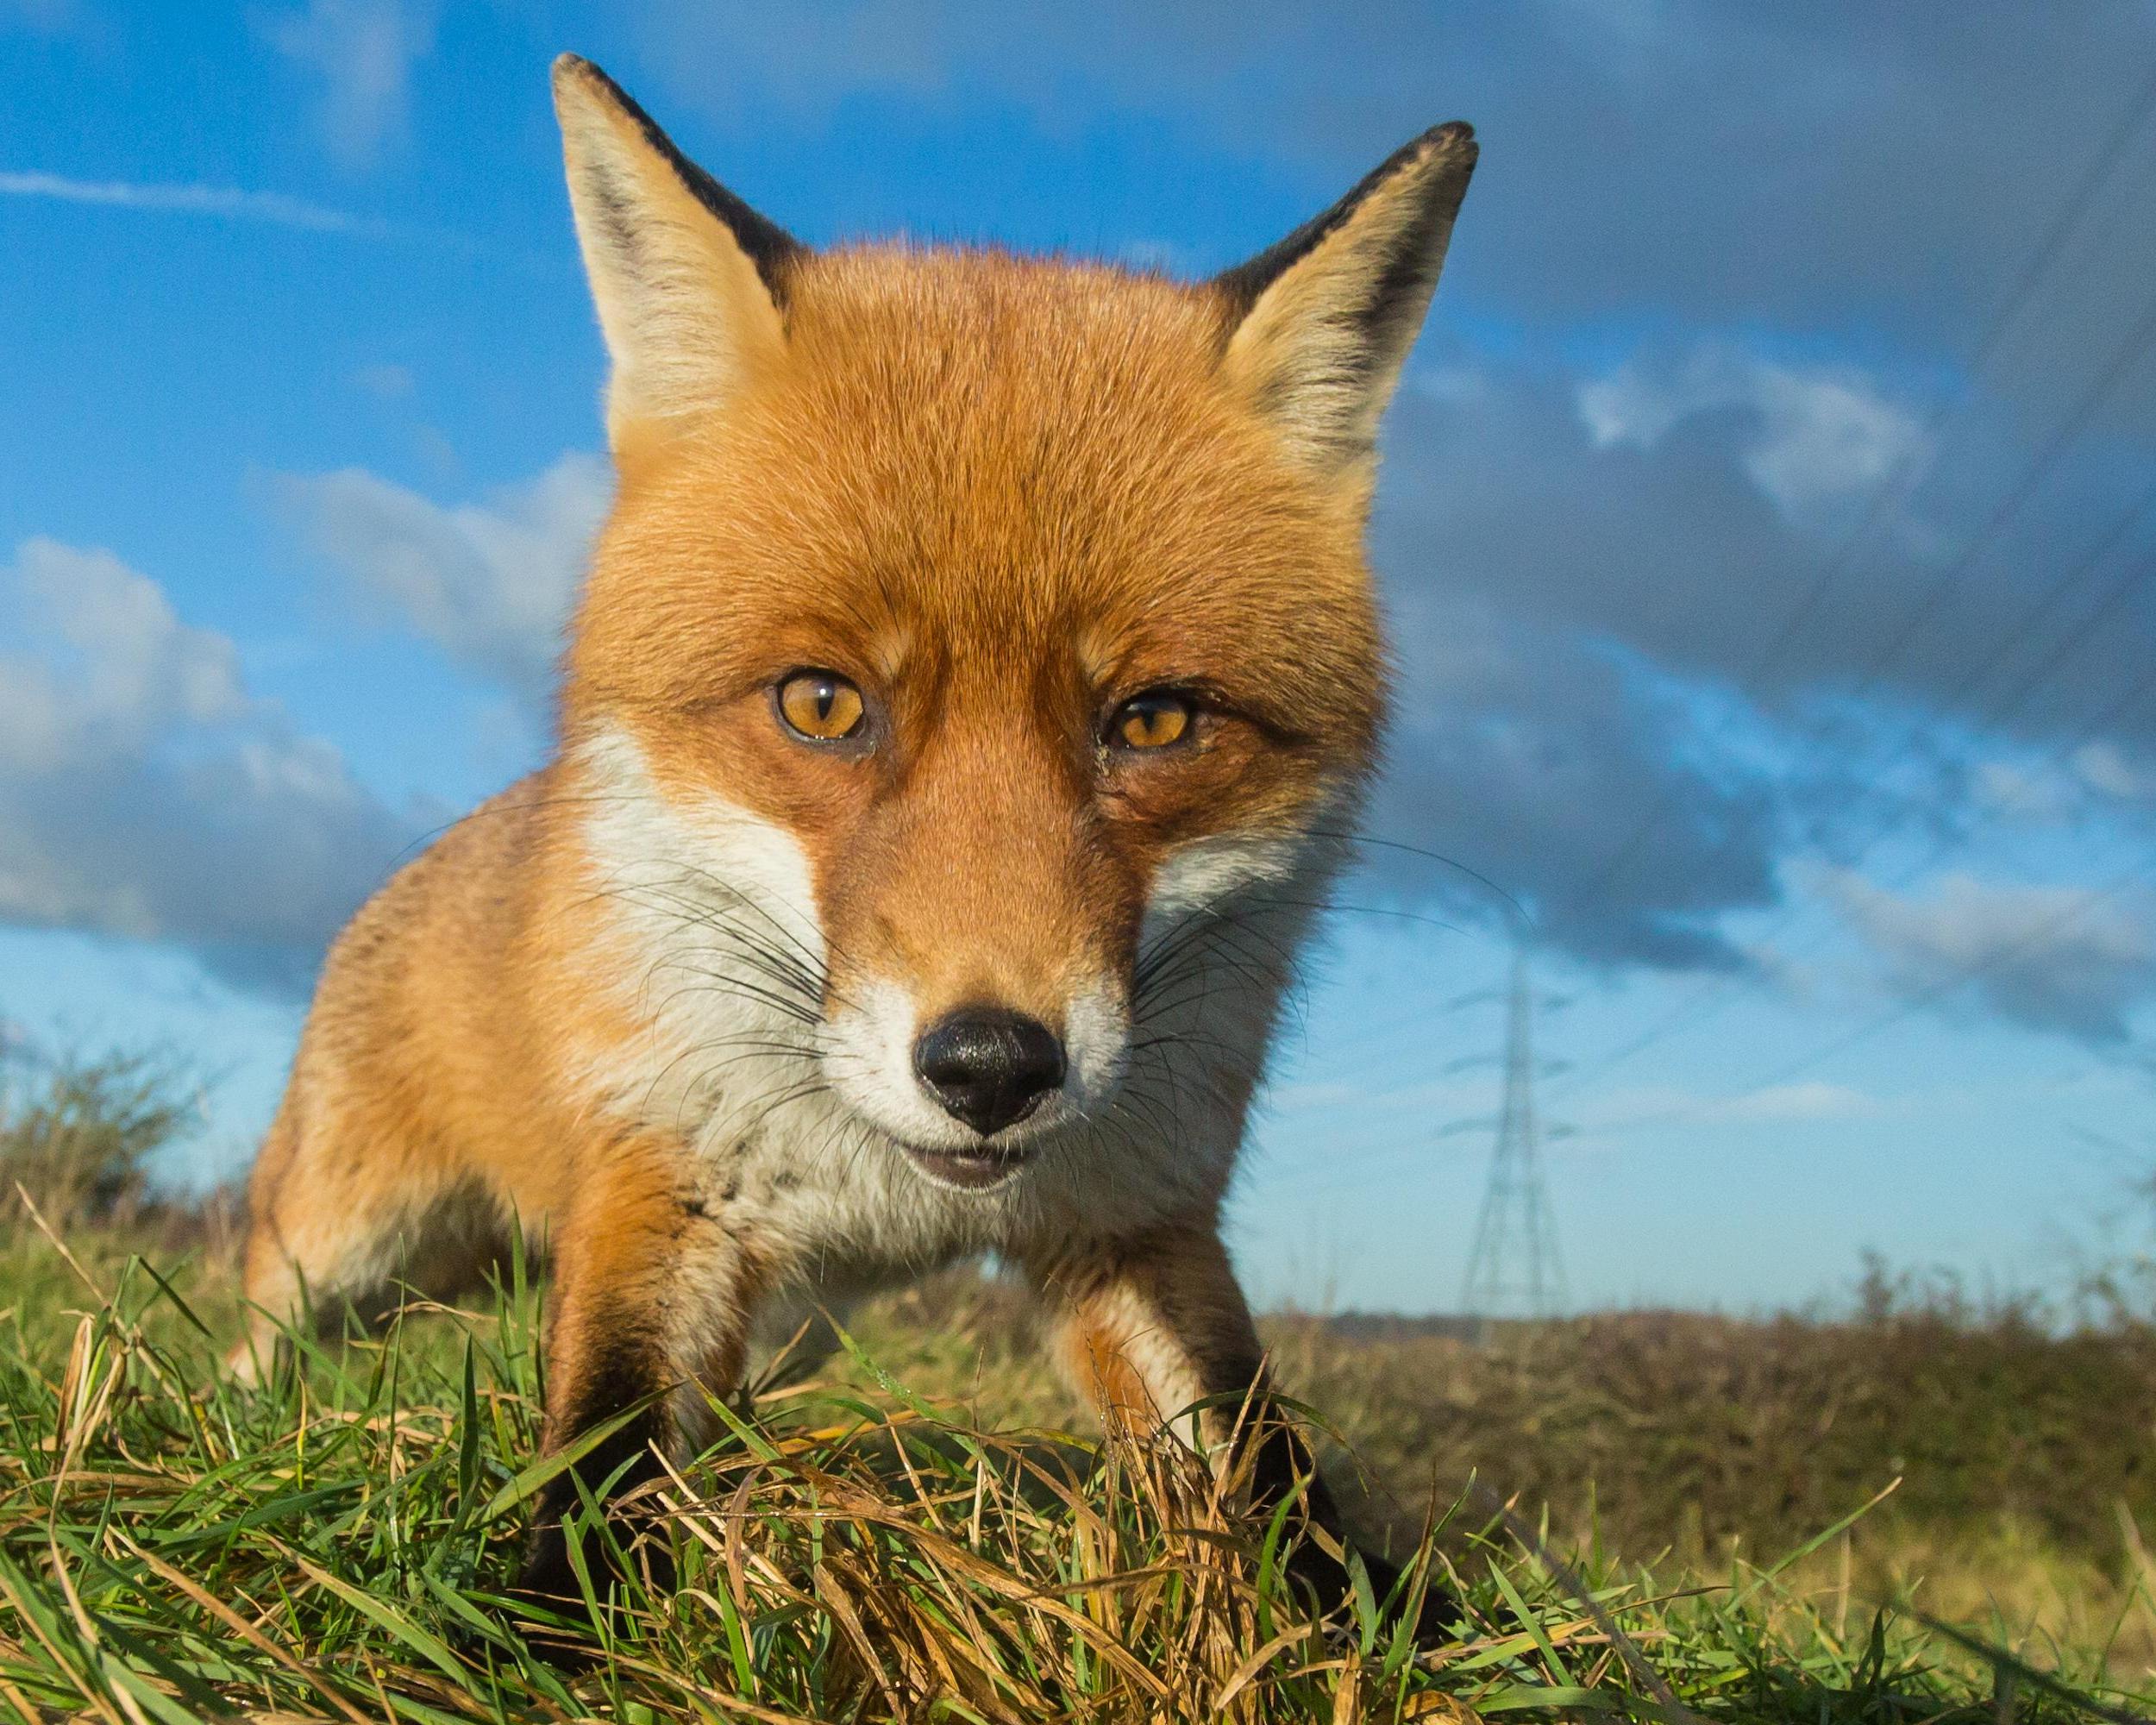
pixel 971 695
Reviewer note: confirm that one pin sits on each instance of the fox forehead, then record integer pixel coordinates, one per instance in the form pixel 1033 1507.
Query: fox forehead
pixel 975 468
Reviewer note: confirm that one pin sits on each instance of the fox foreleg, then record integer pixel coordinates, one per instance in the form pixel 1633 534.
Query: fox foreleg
pixel 1153 1325
pixel 650 1314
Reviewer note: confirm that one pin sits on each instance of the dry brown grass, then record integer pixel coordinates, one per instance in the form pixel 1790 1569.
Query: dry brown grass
pixel 2019 1464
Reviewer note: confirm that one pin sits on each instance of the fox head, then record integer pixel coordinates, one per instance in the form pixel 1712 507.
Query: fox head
pixel 996 632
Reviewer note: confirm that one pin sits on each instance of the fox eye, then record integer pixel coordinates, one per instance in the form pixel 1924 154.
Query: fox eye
pixel 821 705
pixel 1152 720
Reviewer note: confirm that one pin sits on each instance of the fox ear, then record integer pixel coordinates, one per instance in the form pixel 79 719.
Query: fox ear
pixel 690 283
pixel 1324 319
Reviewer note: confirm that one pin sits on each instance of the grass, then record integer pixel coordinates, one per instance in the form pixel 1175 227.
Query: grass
pixel 1695 1431
pixel 931 1532
pixel 2023 1453
pixel 335 1545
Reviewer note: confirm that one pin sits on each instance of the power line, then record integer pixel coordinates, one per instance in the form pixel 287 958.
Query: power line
pixel 1961 976
pixel 1900 480
pixel 2132 581
pixel 1687 1015
pixel 2124 355
pixel 1512 1175
pixel 1899 484
pixel 1371 1164
pixel 2131 349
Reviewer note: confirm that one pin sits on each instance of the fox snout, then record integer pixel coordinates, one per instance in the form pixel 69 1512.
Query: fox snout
pixel 989 1067
pixel 970 1091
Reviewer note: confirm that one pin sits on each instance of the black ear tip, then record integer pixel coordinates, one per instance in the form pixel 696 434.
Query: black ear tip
pixel 579 85
pixel 1444 158
pixel 573 70
pixel 1450 146
pixel 1438 161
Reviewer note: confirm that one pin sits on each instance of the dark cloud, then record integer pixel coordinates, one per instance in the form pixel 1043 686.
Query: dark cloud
pixel 1520 755
pixel 1808 164
pixel 1692 538
pixel 1586 571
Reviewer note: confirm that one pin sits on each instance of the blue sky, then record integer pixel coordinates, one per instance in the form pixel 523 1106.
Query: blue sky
pixel 1770 605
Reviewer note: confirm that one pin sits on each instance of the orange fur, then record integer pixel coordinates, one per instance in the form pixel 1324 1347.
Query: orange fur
pixel 643 1003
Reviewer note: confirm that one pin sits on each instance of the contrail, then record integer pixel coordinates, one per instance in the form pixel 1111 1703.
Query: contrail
pixel 227 202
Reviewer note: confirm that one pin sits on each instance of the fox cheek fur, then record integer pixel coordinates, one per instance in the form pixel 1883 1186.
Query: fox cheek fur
pixel 972 690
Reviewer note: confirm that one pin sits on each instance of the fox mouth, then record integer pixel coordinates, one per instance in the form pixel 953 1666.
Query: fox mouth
pixel 977 1168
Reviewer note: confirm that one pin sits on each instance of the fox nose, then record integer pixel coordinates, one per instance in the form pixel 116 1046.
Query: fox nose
pixel 988 1067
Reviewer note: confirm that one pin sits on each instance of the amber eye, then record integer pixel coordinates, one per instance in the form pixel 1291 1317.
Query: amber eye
pixel 821 705
pixel 1152 720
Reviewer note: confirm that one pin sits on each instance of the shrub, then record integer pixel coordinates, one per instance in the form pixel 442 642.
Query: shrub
pixel 77 1133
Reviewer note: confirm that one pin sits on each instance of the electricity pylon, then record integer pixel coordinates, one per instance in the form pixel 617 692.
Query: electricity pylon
pixel 1513 1269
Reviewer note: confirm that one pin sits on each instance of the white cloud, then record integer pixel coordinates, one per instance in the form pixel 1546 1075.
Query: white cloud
pixel 2068 959
pixel 1446 1096
pixel 145 792
pixel 2034 796
pixel 363 51
pixel 223 201
pixel 119 668
pixel 1819 436
pixel 2105 766
pixel 1776 1105
pixel 489 583
pixel 1809 1101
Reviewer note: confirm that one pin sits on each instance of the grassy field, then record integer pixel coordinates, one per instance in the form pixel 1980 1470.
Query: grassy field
pixel 928 1533
pixel 928 1530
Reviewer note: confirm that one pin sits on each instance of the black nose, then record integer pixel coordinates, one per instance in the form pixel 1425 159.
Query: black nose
pixel 988 1067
